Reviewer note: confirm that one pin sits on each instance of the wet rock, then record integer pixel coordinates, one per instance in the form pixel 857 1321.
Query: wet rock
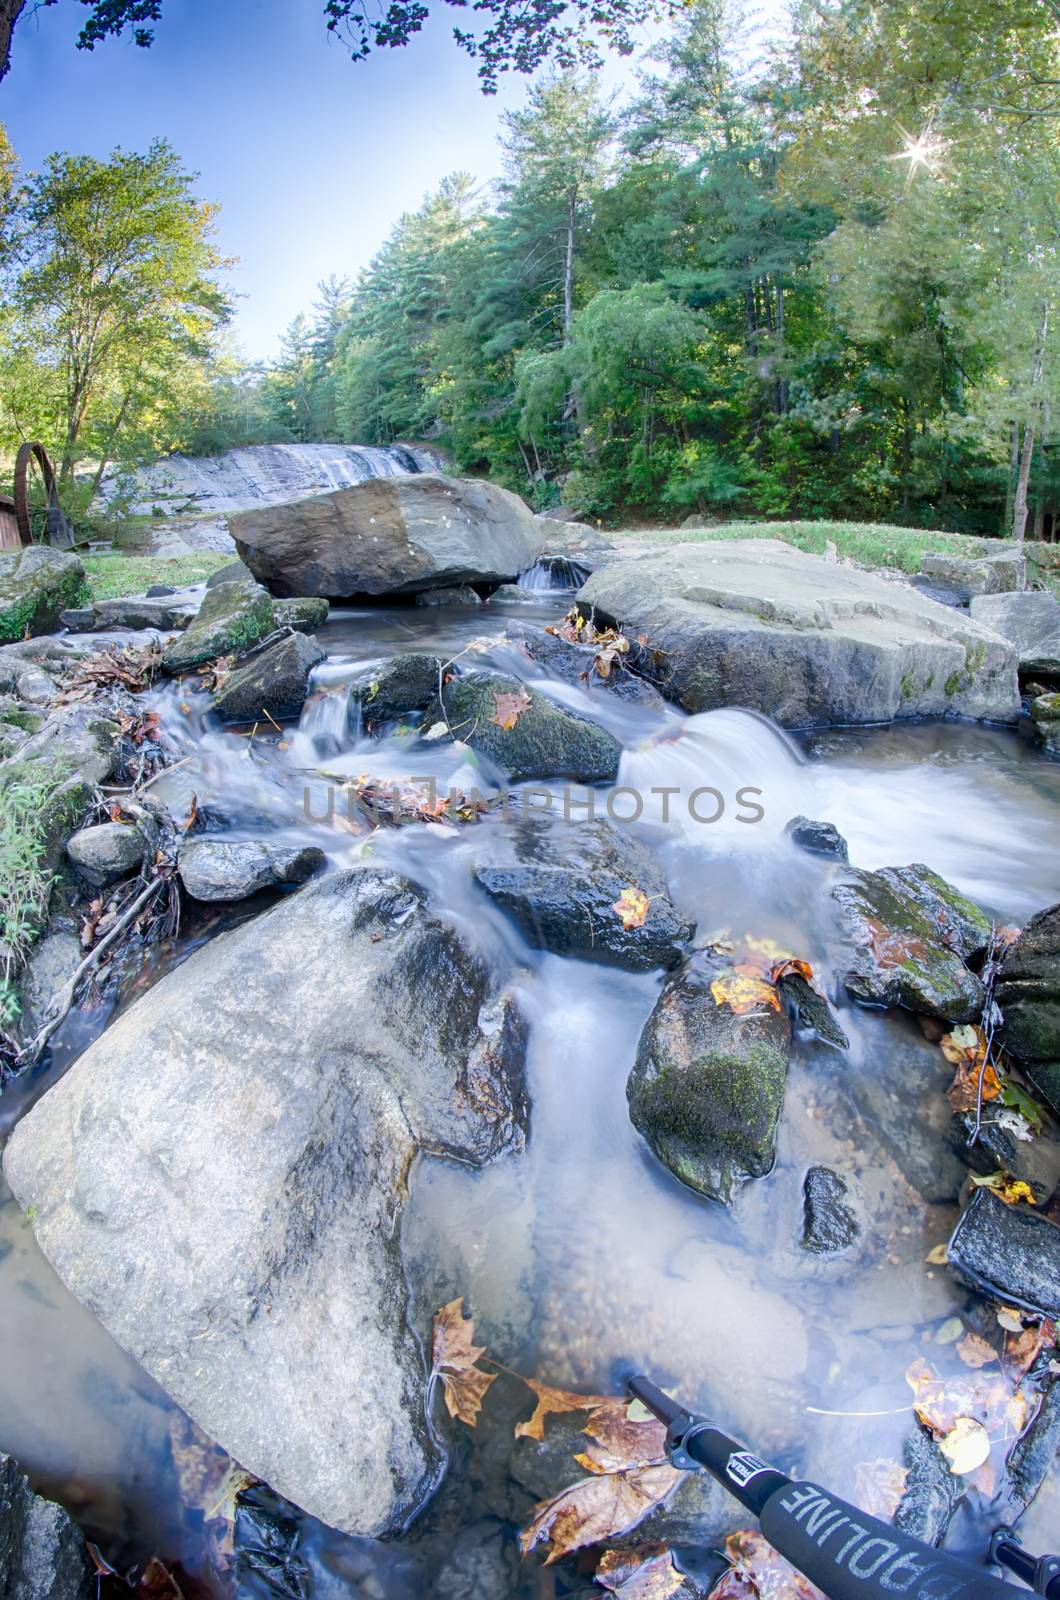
pixel 78 619
pixel 1028 992
pixel 707 1087
pixel 932 1491
pixel 573 663
pixel 266 1546
pixel 37 584
pixel 398 535
pixel 33 686
pixel 1045 714
pixel 482 1563
pixel 106 852
pixel 818 838
pixel 1031 623
pixel 829 1225
pixel 757 624
pixel 1001 571
pixel 166 614
pixel 546 741
pixel 461 595
pixel 912 934
pixel 232 869
pixel 273 683
pixel 306 613
pixel 406 683
pixel 299 1063
pixel 811 1012
pixel 42 1554
pixel 51 965
pixel 560 882
pixel 1011 1253
pixel 232 617
pixel 1034 1453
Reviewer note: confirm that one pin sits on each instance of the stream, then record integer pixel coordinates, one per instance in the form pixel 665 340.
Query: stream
pixel 582 1256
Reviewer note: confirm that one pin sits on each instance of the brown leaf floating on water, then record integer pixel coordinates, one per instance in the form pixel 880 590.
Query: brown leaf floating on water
pixel 597 1508
pixel 453 1361
pixel 647 1573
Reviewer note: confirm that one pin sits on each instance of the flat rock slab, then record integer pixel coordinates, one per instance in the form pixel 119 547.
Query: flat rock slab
pixel 220 1178
pixel 1001 571
pixel 757 624
pixel 561 882
pixel 1030 622
pixel 1011 1253
pixel 42 1554
pixel 399 535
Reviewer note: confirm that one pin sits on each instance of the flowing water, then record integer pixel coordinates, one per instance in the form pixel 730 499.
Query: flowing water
pixel 582 1257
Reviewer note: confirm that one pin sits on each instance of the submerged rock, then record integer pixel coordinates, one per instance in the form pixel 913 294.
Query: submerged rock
pixel 37 584
pixel 1028 992
pixel 106 852
pixel 817 838
pixel 232 617
pixel 1011 1253
pixel 932 1491
pixel 398 535
pixel 1031 623
pixel 912 934
pixel 707 1087
pixel 42 1555
pixel 232 869
pixel 546 741
pixel 828 1223
pixel 305 613
pixel 574 663
pixel 406 683
pixel 274 683
pixel 756 624
pixel 460 595
pixel 244 1245
pixel 560 883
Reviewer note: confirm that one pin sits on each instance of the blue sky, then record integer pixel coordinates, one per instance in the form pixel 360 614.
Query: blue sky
pixel 313 157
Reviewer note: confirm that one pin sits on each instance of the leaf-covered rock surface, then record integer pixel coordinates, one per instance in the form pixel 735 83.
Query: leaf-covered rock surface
pixel 913 935
pixel 562 883
pixel 707 1086
pixel 297 1065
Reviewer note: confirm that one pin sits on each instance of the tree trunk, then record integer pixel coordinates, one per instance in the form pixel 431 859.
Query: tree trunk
pixel 568 268
pixel 782 383
pixel 10 11
pixel 1019 508
pixel 1013 474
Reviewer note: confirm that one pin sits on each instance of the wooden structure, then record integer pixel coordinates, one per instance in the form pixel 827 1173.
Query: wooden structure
pixel 32 457
pixel 10 538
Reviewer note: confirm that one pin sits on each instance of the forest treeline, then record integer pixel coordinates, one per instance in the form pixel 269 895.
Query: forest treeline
pixel 823 282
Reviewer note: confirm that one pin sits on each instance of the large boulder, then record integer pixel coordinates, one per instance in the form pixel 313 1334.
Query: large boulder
pixel 1028 992
pixel 272 684
pixel 543 741
pixel 36 585
pixel 707 1087
pixel 232 617
pixel 913 934
pixel 757 624
pixel 220 1178
pixel 1000 571
pixel 560 883
pixel 398 535
pixel 1031 624
pixel 42 1555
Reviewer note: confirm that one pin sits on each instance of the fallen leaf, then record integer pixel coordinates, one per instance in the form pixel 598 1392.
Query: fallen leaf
pixel 988 1398
pixel 759 1572
pixel 192 815
pixel 101 1565
pixel 621 1441
pixel 553 1402
pixel 1022 1349
pixel 509 708
pixel 1010 1318
pixel 937 1256
pixel 632 906
pixel 158 1583
pixel 790 967
pixel 208 1479
pixel 975 1081
pixel 645 1574
pixel 1006 1187
pixel 879 1486
pixel 966 1446
pixel 597 1508
pixel 974 1351
pixel 453 1361
pixel 891 949
pixel 743 994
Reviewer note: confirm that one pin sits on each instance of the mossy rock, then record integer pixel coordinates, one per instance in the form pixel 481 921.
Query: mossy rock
pixel 913 934
pixel 305 614
pixel 406 683
pixel 232 617
pixel 544 741
pixel 36 585
pixel 707 1087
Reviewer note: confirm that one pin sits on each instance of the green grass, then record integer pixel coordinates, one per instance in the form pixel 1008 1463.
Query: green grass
pixel 110 576
pixel 877 544
pixel 25 881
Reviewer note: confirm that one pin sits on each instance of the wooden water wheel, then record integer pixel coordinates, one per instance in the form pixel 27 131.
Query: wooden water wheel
pixel 38 514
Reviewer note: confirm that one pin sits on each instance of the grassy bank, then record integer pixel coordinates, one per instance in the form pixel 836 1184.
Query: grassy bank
pixel 111 576
pixel 877 544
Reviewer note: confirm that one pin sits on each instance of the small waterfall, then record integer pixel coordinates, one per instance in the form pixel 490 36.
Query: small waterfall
pixel 553 575
pixel 261 474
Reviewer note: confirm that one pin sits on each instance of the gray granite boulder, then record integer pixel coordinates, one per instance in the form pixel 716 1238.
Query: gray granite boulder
pixel 997 571
pixel 1031 624
pixel 106 852
pixel 42 1554
pixel 1011 1253
pixel 273 683
pixel 545 741
pixel 37 584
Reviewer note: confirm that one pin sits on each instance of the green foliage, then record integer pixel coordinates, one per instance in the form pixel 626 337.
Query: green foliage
pixel 25 881
pixel 874 544
pixel 110 577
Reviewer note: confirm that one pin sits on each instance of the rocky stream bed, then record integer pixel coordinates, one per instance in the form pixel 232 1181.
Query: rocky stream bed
pixel 555 953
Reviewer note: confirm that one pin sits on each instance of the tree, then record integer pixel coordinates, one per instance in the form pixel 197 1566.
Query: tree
pixel 517 37
pixel 113 297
